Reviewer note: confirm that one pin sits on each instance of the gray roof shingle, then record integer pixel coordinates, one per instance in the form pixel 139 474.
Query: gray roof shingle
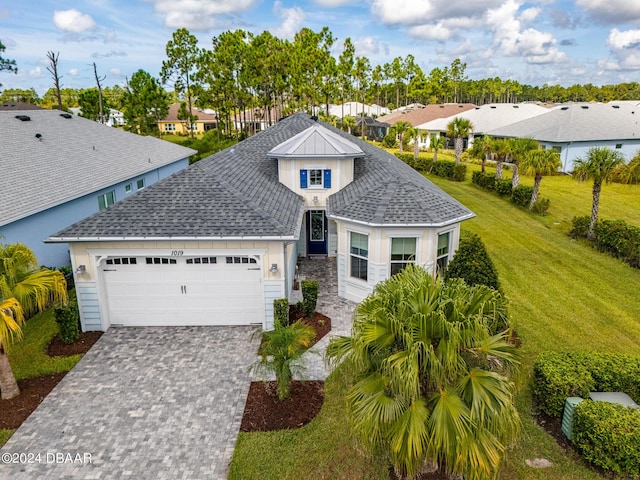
pixel 236 193
pixel 71 157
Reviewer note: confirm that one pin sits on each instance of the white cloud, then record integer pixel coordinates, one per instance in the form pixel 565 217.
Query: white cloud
pixel 420 12
pixel 620 40
pixel 292 19
pixel 511 40
pixel 35 72
pixel 198 14
pixel 366 46
pixel 335 3
pixel 72 21
pixel 73 72
pixel 443 30
pixel 625 48
pixel 115 72
pixel 611 11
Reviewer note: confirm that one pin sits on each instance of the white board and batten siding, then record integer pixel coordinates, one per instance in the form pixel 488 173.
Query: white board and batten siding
pixel 89 306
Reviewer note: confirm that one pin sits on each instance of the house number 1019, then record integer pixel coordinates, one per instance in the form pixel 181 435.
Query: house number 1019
pixel 177 253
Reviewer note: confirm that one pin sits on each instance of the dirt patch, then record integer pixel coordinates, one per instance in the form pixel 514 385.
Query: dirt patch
pixel 57 348
pixel 32 391
pixel 263 411
pixel 320 323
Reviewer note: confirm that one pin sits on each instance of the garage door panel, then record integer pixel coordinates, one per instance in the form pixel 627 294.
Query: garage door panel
pixel 152 293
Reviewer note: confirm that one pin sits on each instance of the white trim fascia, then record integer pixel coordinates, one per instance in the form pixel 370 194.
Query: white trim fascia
pixel 100 254
pixel 392 225
pixel 166 239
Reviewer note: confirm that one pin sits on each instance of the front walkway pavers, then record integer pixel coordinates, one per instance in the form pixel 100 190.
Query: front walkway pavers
pixel 144 403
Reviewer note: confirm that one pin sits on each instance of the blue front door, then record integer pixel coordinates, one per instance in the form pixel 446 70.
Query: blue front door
pixel 316 232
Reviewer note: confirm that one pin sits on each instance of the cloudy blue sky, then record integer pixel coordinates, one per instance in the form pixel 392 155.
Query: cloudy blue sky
pixel 534 42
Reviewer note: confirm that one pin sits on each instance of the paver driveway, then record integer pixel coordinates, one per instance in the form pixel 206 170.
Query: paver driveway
pixel 144 403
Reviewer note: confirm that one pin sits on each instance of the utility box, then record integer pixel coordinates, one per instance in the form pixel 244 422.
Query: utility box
pixel 567 417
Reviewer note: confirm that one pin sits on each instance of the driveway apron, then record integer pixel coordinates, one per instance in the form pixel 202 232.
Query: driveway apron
pixel 143 403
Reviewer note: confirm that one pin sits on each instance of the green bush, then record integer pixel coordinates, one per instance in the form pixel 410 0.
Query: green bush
pixel 521 196
pixel 459 172
pixel 472 263
pixel 557 376
pixel 407 158
pixel 444 168
pixel 541 207
pixel 424 164
pixel 280 312
pixel 390 141
pixel 67 318
pixel 309 296
pixel 484 180
pixel 503 186
pixel 580 227
pixel 608 435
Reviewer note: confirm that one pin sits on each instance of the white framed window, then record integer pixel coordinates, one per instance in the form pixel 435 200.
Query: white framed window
pixel 444 247
pixel 192 126
pixel 170 127
pixel 106 199
pixel 127 188
pixel 140 184
pixel 315 177
pixel 403 252
pixel 312 177
pixel 359 255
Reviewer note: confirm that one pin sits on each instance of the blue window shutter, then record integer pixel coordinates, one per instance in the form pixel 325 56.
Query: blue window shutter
pixel 303 179
pixel 327 179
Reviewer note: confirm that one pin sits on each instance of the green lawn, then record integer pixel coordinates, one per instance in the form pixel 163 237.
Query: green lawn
pixel 28 357
pixel 563 296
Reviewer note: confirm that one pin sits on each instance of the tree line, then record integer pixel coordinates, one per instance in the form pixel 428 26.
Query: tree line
pixel 242 73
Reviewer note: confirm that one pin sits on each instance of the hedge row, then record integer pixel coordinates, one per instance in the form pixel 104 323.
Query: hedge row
pixel 615 237
pixel 561 375
pixel 608 435
pixel 521 195
pixel 441 168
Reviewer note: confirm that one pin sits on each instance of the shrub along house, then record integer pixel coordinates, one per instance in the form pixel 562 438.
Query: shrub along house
pixel 216 243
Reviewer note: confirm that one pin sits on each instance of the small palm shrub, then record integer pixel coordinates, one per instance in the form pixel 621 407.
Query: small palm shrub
pixel 282 348
pixel 309 297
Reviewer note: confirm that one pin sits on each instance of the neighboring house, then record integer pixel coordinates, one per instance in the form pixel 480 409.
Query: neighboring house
pixel 59 168
pixel 257 119
pixel 112 117
pixel 355 109
pixel 216 243
pixel 486 118
pixel 574 128
pixel 18 106
pixel 374 130
pixel 172 125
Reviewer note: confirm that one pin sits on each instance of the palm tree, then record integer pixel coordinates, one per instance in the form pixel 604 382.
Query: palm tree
pixel 539 163
pixel 281 352
pixel 431 364
pixel 11 319
pixel 459 128
pixel 599 166
pixel 500 150
pixel 436 143
pixel 519 148
pixel 402 129
pixel 416 133
pixel 349 122
pixel 481 149
pixel 34 288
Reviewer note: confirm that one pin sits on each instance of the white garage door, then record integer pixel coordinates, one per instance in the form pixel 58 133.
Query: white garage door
pixel 159 291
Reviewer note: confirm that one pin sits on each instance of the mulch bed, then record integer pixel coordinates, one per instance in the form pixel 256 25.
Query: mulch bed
pixel 33 390
pixel 263 411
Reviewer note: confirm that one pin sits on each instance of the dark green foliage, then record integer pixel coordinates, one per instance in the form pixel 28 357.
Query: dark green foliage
pixel 561 375
pixel 484 180
pixel 280 312
pixel 472 263
pixel 521 196
pixel 407 158
pixel 389 141
pixel 580 227
pixel 444 168
pixel 503 186
pixel 459 172
pixel 67 318
pixel 608 435
pixel 423 164
pixel 541 207
pixel 615 237
pixel 309 296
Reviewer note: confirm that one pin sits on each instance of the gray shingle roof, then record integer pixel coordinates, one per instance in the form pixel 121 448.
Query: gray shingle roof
pixel 579 123
pixel 236 193
pixel 71 158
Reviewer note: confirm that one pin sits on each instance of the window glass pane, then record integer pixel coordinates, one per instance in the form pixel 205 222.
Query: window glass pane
pixel 359 244
pixel 359 268
pixel 102 202
pixel 443 244
pixel 403 249
pixel 127 187
pixel 140 183
pixel 111 198
pixel 315 177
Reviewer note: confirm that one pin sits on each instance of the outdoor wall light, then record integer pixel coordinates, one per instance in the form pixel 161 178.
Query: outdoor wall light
pixel 274 268
pixel 81 269
pixel 315 199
